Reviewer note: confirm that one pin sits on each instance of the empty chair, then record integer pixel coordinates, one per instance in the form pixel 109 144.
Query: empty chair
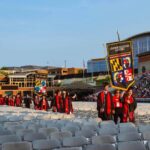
pixel 8 124
pixel 15 119
pixel 144 128
pixel 22 132
pixel 108 131
pixel 61 135
pixel 48 131
pixel 86 133
pixel 72 129
pixel 48 122
pixel 72 148
pixel 109 123
pixel 61 122
pixel 92 121
pixel 55 125
pixel 101 147
pixel 75 142
pixel 9 138
pixel 78 120
pixel 128 129
pixel 93 127
pixel 128 124
pixel 26 124
pixel 30 137
pixel 5 132
pixel 131 146
pixel 125 137
pixel 148 145
pixel 46 144
pixel 146 136
pixel 73 124
pixel 28 118
pixel 34 127
pixel 17 146
pixel 105 139
pixel 3 119
pixel 14 129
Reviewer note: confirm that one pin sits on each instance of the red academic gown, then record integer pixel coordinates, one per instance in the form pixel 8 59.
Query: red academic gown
pixel 36 104
pixel 59 103
pixel 105 102
pixel 44 105
pixel 68 105
pixel 18 101
pixel 117 102
pixel 129 107
pixel 6 101
pixel 118 109
pixel 2 101
pixel 11 102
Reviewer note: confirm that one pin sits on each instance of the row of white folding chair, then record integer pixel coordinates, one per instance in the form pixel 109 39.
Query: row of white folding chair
pixel 71 145
pixel 86 133
pixel 17 146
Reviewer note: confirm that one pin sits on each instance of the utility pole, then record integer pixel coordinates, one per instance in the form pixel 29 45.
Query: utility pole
pixel 65 63
pixel 118 35
pixel 83 69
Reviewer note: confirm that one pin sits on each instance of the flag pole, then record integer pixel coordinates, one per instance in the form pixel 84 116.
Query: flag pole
pixel 83 69
pixel 118 35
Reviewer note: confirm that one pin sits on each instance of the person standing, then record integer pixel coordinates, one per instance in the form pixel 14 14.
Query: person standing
pixel 1 100
pixel 58 101
pixel 63 101
pixel 105 106
pixel 37 102
pixel 27 101
pixel 44 103
pixel 117 100
pixel 6 100
pixel 18 100
pixel 68 104
pixel 12 100
pixel 129 106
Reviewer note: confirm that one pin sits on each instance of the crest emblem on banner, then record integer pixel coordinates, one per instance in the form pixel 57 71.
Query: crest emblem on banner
pixel 40 87
pixel 120 60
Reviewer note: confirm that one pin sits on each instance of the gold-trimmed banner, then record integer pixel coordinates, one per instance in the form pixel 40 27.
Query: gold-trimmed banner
pixel 120 60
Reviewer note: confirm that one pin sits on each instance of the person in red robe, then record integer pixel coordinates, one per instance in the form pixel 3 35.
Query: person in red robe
pixel 12 100
pixel 117 100
pixel 68 104
pixel 105 106
pixel 129 106
pixel 44 103
pixel 18 101
pixel 1 100
pixel 58 101
pixel 37 102
pixel 6 100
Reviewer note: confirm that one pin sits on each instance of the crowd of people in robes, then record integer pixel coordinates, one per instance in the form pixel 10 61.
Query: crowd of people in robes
pixel 119 106
pixel 61 102
pixel 11 100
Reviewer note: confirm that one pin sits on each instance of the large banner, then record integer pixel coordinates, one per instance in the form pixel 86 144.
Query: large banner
pixel 120 59
pixel 40 87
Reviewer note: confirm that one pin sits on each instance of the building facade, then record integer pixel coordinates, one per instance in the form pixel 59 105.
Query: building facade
pixel 141 44
pixel 144 62
pixel 97 65
pixel 23 83
pixel 65 71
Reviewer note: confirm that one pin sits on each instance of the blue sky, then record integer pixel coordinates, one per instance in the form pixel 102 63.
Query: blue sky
pixel 47 32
